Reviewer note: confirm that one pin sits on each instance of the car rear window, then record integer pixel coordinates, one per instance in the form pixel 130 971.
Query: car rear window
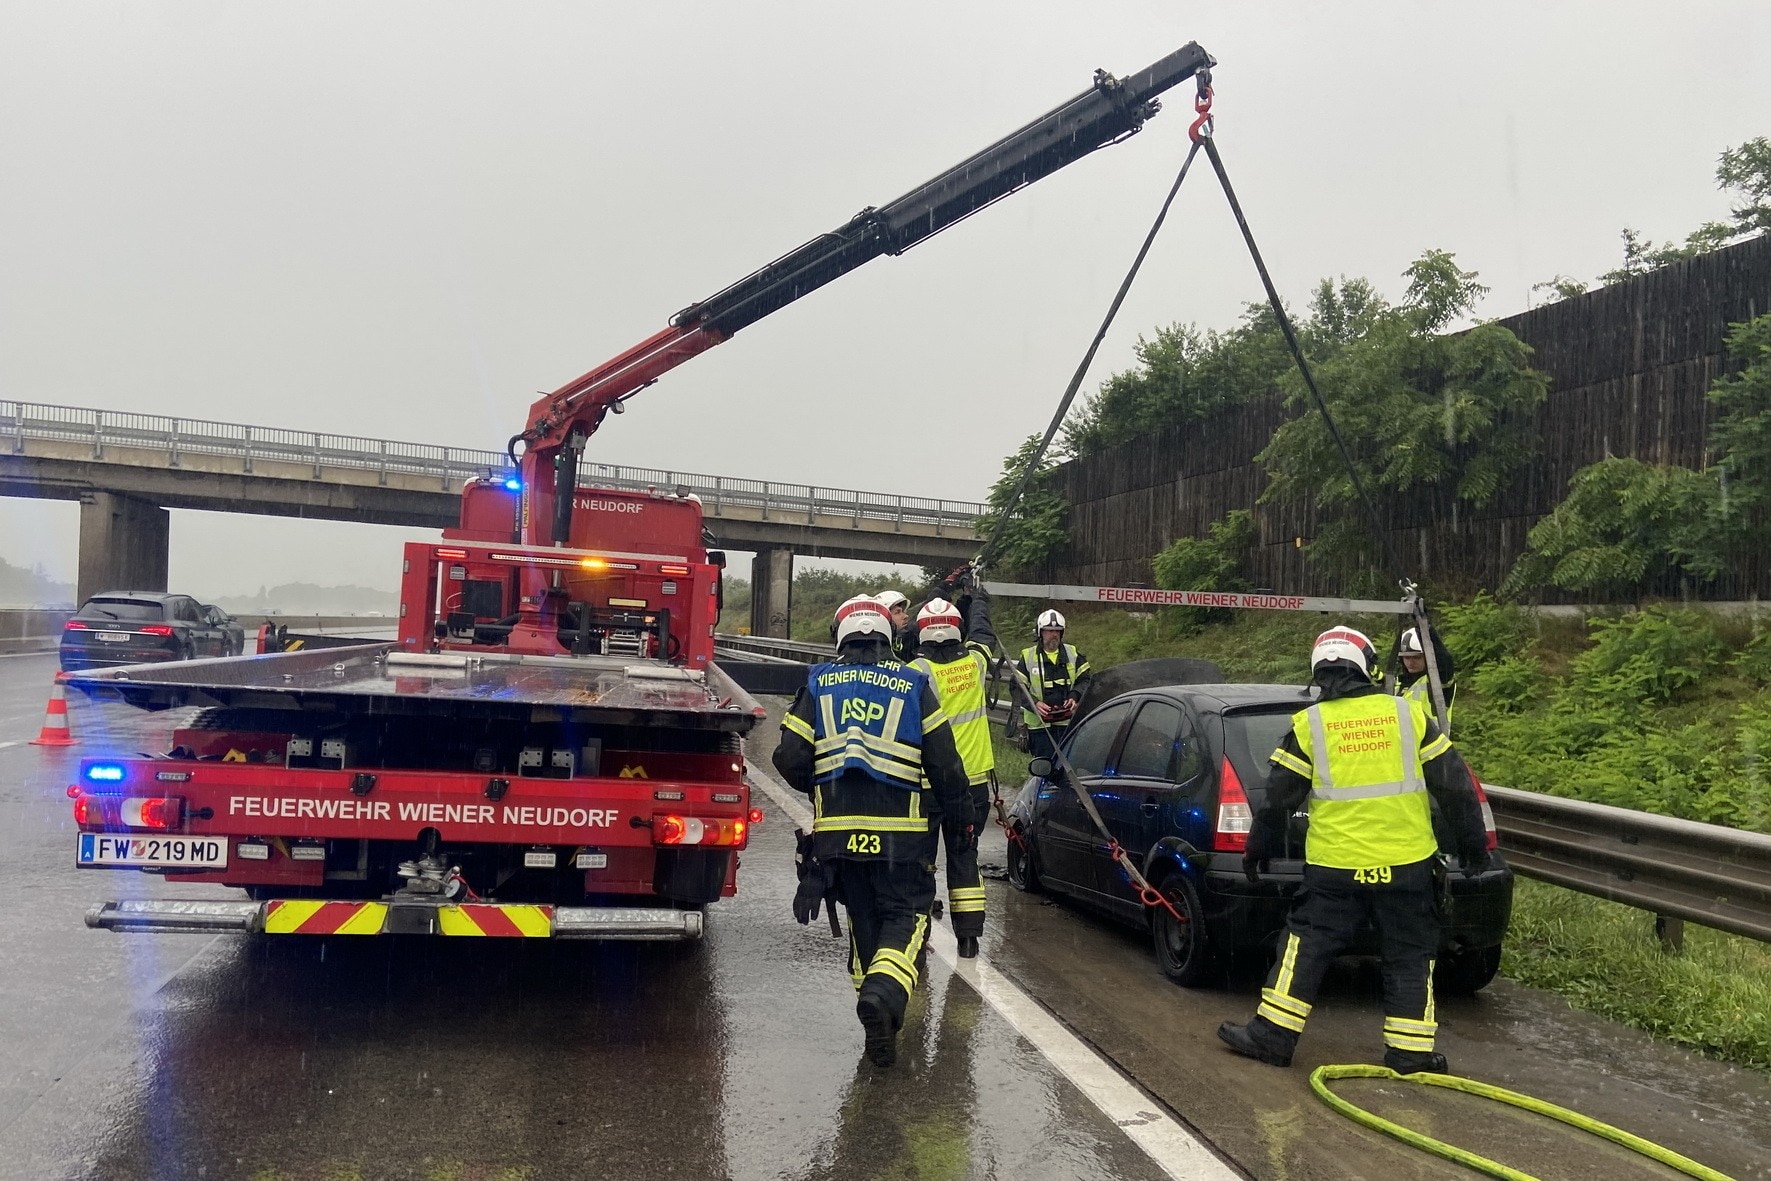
pixel 1250 737
pixel 130 610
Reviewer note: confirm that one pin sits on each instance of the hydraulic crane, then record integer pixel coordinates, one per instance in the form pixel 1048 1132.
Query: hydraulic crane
pixel 560 423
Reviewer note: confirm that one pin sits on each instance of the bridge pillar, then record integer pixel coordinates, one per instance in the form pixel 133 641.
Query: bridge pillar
pixel 124 543
pixel 771 592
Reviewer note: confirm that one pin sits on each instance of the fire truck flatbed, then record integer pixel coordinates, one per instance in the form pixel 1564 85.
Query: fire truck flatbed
pixel 379 678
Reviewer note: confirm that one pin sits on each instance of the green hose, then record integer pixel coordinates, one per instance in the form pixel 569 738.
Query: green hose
pixel 1322 1075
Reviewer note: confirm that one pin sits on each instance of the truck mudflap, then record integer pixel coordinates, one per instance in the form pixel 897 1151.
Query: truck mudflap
pixel 303 916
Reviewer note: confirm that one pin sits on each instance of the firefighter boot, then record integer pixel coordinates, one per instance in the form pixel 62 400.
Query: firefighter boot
pixel 882 1031
pixel 1415 1062
pixel 1259 1039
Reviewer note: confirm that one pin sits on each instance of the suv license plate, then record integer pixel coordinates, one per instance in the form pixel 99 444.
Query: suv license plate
pixel 97 848
pixel 112 637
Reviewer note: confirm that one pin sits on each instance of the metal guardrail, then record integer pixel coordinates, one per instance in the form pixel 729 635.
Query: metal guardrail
pixel 177 438
pixel 1675 869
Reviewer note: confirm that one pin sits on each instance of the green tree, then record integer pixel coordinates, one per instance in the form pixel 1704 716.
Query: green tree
pixel 1558 289
pixel 1742 432
pixel 1744 171
pixel 1624 524
pixel 1036 531
pixel 1420 410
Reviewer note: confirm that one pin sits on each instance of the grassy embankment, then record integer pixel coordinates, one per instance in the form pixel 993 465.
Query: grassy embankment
pixel 1659 710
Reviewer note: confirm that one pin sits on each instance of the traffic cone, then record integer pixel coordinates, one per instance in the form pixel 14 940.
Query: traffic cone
pixel 55 730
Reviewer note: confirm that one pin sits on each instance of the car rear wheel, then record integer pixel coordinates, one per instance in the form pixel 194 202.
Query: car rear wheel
pixel 1183 950
pixel 1021 873
pixel 1465 972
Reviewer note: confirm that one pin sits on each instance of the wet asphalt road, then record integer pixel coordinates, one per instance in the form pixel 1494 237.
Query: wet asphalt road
pixel 180 1056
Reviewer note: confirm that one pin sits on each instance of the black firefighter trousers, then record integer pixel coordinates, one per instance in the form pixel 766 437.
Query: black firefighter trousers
pixel 965 884
pixel 1402 902
pixel 888 906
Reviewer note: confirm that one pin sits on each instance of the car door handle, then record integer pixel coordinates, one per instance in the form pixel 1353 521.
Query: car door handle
pixel 1150 807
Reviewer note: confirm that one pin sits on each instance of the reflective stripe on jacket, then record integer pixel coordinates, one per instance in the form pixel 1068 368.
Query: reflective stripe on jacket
pixel 1421 693
pixel 1067 669
pixel 959 684
pixel 868 718
pixel 1368 792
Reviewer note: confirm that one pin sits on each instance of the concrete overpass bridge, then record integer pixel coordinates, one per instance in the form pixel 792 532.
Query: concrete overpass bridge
pixel 126 470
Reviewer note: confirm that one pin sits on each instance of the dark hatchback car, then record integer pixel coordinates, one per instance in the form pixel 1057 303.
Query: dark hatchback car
pixel 1177 773
pixel 136 627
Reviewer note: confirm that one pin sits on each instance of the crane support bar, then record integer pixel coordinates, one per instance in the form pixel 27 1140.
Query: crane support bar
pixel 1134 596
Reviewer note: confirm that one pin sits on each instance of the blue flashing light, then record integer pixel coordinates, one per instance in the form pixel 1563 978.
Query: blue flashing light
pixel 105 773
pixel 514 485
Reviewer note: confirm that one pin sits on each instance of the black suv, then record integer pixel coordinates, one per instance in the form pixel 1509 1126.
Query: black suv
pixel 135 627
pixel 1177 774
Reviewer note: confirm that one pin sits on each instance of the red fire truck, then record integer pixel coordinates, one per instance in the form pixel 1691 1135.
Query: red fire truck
pixel 549 748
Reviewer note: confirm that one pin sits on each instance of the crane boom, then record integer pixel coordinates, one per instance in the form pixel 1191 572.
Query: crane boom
pixel 560 422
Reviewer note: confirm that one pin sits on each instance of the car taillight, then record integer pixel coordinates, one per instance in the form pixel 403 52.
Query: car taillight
pixel 1493 839
pixel 74 625
pixel 1234 815
pixel 155 629
pixel 162 812
pixel 692 830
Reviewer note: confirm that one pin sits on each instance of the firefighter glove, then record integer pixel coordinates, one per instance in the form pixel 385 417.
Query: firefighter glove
pixel 812 884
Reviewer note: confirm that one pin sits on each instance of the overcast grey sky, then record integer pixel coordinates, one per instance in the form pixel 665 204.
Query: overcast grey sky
pixel 403 219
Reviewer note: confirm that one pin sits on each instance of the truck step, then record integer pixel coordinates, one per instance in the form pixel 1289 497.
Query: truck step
pixel 487 919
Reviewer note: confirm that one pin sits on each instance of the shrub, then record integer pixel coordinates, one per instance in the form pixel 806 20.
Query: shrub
pixel 1648 656
pixel 1213 562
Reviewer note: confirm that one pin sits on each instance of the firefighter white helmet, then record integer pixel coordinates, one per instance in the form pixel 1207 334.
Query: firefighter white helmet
pixel 1050 617
pixel 862 616
pixel 1343 644
pixel 891 600
pixel 1411 641
pixel 938 622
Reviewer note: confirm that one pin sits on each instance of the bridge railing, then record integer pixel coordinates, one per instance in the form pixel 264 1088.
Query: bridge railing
pixel 177 438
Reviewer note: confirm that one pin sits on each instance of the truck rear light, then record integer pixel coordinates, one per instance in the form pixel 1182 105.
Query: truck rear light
pixel 679 570
pixel 88 812
pixel 725 797
pixel 252 851
pixel 155 629
pixel 1492 841
pixel 162 812
pixel 540 859
pixel 692 830
pixel 1234 816
pixel 585 859
pixel 307 851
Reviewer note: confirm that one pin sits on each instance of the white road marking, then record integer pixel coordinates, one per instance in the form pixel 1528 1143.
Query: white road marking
pixel 14 742
pixel 1175 1150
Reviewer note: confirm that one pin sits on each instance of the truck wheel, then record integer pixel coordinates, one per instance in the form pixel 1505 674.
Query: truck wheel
pixel 1464 973
pixel 1183 950
pixel 1021 873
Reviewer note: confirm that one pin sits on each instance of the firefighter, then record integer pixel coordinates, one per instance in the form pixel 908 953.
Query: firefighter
pixel 1367 762
pixel 1412 681
pixel 903 633
pixel 1059 675
pixel 957 664
pixel 867 740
